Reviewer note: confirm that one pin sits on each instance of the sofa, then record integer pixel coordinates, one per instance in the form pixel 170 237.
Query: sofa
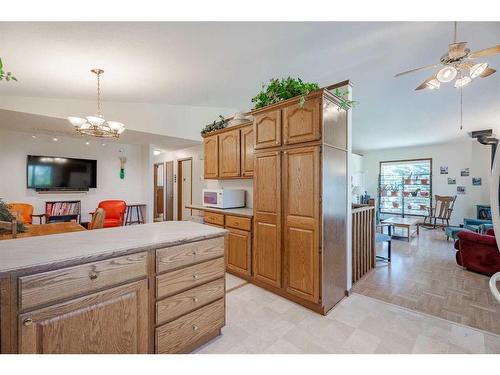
pixel 478 252
pixel 478 225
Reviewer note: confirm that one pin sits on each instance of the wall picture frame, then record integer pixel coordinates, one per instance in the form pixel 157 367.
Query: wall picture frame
pixel 443 170
pixel 461 190
pixel 476 181
pixel 464 172
pixel 452 181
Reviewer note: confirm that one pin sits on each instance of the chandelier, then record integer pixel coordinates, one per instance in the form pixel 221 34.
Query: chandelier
pixel 96 125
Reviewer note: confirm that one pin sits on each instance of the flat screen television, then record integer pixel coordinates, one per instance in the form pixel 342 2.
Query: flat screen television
pixel 45 173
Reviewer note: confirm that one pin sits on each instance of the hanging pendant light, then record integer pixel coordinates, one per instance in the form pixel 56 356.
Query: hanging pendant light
pixel 96 125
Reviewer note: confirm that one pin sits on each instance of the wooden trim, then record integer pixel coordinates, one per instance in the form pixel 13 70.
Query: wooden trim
pixel 8 315
pixel 229 128
pixel 179 186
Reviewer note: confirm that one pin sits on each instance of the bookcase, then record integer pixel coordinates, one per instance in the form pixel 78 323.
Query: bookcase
pixel 58 211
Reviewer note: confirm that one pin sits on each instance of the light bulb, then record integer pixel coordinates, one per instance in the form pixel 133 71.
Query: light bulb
pixel 447 74
pixel 33 136
pixel 95 120
pixel 55 139
pixel 87 143
pixel 433 84
pixel 477 70
pixel 77 121
pixel 461 82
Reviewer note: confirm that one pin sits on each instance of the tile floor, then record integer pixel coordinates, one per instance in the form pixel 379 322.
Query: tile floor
pixel 261 322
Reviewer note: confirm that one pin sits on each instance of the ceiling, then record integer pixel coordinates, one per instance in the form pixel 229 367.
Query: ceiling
pixel 225 64
pixel 52 126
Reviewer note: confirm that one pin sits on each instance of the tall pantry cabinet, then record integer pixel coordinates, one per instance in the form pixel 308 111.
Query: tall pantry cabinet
pixel 301 200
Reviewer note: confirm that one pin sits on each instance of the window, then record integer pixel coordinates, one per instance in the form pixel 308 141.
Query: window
pixel 405 187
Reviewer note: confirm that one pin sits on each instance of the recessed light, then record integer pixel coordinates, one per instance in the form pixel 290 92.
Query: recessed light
pixel 33 136
pixel 87 143
pixel 103 144
pixel 55 139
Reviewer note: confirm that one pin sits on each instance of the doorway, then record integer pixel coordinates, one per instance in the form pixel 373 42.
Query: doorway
pixel 169 182
pixel 159 192
pixel 184 188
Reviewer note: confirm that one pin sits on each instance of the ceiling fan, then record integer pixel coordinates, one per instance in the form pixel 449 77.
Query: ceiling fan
pixel 457 63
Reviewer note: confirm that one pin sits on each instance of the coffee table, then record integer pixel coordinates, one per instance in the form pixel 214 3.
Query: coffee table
pixel 404 222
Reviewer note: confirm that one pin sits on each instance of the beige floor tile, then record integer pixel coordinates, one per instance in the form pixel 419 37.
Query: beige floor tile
pixel 427 345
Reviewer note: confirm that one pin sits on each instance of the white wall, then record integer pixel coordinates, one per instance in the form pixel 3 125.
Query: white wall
pixel 469 154
pixel 196 153
pixel 15 146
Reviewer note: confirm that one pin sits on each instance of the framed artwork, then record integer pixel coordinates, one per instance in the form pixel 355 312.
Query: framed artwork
pixel 452 181
pixel 476 181
pixel 464 172
pixel 461 190
pixel 443 170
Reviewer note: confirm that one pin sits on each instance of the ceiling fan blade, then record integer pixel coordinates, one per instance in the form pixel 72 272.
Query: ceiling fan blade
pixel 456 50
pixel 485 52
pixel 487 72
pixel 424 85
pixel 416 70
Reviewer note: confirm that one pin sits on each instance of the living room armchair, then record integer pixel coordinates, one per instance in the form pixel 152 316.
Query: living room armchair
pixel 115 212
pixel 478 252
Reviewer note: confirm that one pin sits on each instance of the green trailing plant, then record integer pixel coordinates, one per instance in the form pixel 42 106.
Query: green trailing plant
pixel 216 125
pixel 342 95
pixel 281 89
pixel 6 215
pixel 8 76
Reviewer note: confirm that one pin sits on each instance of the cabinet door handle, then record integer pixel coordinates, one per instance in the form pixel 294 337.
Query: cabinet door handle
pixel 27 322
pixel 195 277
pixel 93 275
pixel 195 328
pixel 195 299
pixel 194 252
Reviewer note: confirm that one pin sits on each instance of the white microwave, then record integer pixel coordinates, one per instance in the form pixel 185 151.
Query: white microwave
pixel 223 198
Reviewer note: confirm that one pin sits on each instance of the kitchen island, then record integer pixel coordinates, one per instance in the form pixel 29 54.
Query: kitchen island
pixel 153 288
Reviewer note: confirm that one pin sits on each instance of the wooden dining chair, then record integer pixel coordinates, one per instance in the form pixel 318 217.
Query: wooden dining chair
pixel 98 219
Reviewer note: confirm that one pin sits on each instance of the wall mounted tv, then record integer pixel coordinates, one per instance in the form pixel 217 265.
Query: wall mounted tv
pixel 53 173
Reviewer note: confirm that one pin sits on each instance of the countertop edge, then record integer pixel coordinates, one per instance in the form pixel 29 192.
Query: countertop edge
pixel 69 262
pixel 225 211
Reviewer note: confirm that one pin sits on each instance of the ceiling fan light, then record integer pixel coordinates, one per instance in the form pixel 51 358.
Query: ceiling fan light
pixel 461 82
pixel 95 120
pixel 115 125
pixel 433 84
pixel 447 74
pixel 477 70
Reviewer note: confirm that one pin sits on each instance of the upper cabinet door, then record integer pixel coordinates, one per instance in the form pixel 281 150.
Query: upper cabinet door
pixel 302 124
pixel 267 218
pixel 211 146
pixel 301 168
pixel 229 154
pixel 247 158
pixel 111 321
pixel 267 129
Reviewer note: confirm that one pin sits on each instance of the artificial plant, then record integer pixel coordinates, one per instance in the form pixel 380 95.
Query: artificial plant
pixel 6 215
pixel 216 125
pixel 281 89
pixel 6 75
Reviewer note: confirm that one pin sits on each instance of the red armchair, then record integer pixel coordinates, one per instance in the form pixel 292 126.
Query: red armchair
pixel 478 252
pixel 115 212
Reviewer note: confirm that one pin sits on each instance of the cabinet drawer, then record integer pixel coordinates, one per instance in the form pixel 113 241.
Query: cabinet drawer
pixel 170 258
pixel 178 335
pixel 55 285
pixel 214 218
pixel 172 307
pixel 237 222
pixel 189 277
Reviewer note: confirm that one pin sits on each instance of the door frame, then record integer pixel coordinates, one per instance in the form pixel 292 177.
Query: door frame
pixel 155 185
pixel 179 185
pixel 169 185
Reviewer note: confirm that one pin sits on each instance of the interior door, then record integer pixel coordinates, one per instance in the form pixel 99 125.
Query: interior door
pixel 184 197
pixel 169 186
pixel 301 168
pixel 159 191
pixel 267 218
pixel 111 321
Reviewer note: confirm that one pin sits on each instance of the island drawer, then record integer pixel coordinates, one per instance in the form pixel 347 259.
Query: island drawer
pixel 177 281
pixel 237 222
pixel 172 307
pixel 43 288
pixel 179 335
pixel 214 218
pixel 170 258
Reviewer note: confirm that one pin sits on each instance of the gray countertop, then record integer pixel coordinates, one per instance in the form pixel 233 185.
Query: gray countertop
pixel 244 211
pixel 23 254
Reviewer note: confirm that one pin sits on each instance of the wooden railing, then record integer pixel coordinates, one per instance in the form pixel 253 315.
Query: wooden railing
pixel 363 240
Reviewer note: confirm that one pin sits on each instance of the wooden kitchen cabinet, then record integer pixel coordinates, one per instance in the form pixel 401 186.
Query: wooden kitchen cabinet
pixel 302 123
pixel 267 129
pixel 111 321
pixel 267 218
pixel 247 144
pixel 229 154
pixel 301 188
pixel 211 152
pixel 239 251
